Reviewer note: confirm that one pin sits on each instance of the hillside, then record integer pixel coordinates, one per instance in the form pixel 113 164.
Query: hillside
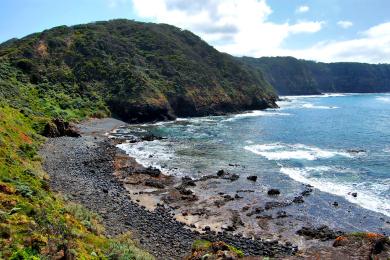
pixel 137 71
pixel 291 76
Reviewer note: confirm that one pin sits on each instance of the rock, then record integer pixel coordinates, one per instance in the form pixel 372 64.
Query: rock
pixel 51 130
pixel 228 228
pixel 281 214
pixel 354 194
pixel 298 199
pixel 219 246
pixel 237 196
pixel 151 171
pixel 322 233
pixel 151 137
pixel 184 191
pixel 155 184
pixel 273 192
pixel 252 178
pixel 236 220
pixel 245 208
pixel 221 173
pixel 258 210
pixel 234 177
pixel 206 228
pixel 234 165
pixel 274 204
pixel 245 191
pixel 58 128
pixel 188 181
pixel 105 190
pixel 307 190
pixel 355 151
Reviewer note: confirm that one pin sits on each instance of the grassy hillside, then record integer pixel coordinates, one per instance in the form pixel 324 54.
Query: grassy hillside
pixel 291 76
pixel 137 71
pixel 34 222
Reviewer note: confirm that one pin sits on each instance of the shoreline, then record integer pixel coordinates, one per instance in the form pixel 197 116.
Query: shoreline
pixel 83 169
pixel 100 172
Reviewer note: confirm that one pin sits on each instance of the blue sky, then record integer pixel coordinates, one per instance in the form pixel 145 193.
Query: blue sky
pixel 323 30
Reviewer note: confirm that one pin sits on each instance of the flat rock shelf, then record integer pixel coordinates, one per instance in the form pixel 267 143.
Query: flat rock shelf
pixel 82 169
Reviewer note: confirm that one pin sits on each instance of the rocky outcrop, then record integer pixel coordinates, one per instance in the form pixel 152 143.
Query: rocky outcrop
pixel 323 233
pixel 58 128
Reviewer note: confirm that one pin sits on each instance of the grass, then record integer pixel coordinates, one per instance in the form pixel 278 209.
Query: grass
pixel 205 248
pixel 36 223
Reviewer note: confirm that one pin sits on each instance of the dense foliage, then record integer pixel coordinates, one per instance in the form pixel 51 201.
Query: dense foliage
pixel 138 71
pixel 291 76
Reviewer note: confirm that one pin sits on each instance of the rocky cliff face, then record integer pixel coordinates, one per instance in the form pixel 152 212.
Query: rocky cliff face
pixel 291 76
pixel 140 71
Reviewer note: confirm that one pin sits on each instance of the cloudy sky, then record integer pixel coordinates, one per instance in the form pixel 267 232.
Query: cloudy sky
pixel 322 30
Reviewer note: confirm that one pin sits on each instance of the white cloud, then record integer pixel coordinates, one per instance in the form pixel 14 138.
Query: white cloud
pixel 372 46
pixel 344 24
pixel 239 27
pixel 303 9
pixel 242 27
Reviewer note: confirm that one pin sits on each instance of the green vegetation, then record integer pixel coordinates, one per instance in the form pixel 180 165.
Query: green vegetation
pixel 291 76
pixel 204 249
pixel 137 71
pixel 34 222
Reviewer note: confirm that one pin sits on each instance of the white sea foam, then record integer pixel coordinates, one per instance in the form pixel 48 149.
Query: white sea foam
pixel 256 113
pixel 154 153
pixel 302 104
pixel 309 105
pixel 385 99
pixel 366 198
pixel 281 151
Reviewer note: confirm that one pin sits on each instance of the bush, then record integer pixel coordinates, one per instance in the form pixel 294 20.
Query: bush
pixel 27 150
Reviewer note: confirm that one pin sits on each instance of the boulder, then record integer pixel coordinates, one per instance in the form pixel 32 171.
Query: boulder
pixel 273 192
pixel 155 184
pixel 252 178
pixel 322 233
pixel 151 171
pixel 298 199
pixel 221 173
pixel 58 128
pixel 233 177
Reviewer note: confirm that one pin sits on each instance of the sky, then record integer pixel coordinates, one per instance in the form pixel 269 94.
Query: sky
pixel 320 30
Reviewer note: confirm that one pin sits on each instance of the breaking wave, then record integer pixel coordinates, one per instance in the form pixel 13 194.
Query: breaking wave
pixel 281 151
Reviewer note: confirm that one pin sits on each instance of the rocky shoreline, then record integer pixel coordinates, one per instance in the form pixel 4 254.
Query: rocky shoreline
pixel 82 169
pixel 159 210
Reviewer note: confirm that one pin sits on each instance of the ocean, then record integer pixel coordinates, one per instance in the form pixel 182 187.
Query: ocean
pixel 338 143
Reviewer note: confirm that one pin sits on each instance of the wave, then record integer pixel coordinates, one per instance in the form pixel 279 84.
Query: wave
pixel 256 113
pixel 150 154
pixel 325 95
pixel 280 151
pixel 300 104
pixel 385 99
pixel 366 198
pixel 309 105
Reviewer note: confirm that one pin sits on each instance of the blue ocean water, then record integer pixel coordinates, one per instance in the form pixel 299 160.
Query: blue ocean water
pixel 338 143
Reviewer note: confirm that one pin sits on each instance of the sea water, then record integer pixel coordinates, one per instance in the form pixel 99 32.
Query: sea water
pixel 338 143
